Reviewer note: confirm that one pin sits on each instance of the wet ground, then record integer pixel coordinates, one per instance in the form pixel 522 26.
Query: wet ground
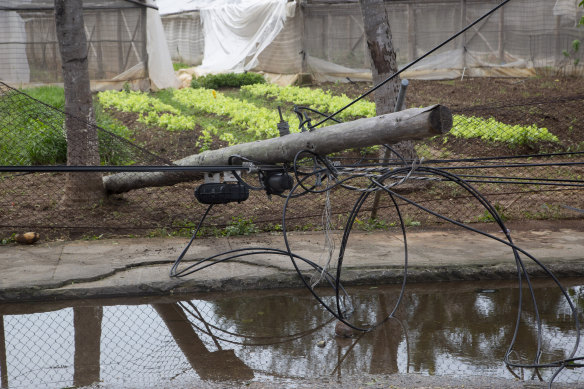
pixel 453 334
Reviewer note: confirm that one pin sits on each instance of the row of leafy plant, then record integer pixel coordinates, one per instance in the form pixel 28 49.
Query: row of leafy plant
pixel 255 122
pixel 246 121
pixel 463 126
pixel 317 99
pixel 492 130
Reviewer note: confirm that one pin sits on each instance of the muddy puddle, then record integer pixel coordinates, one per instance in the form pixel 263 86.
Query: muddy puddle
pixel 457 330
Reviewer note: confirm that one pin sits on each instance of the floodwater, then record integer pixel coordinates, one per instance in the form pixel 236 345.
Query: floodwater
pixel 441 329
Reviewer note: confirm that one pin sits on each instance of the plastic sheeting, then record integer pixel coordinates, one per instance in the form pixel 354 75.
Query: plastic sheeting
pixel 326 39
pixel 160 70
pixel 126 44
pixel 237 32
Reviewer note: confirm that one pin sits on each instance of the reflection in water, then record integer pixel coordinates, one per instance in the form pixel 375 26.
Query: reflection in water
pixel 440 329
pixel 87 324
pixel 217 365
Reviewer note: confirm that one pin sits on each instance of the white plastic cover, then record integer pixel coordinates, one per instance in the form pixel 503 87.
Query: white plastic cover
pixel 168 7
pixel 236 32
pixel 160 68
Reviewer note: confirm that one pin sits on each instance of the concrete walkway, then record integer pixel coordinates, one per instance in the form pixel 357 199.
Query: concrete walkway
pixel 137 267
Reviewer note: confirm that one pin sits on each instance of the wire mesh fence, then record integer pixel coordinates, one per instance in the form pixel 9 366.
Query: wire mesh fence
pixel 456 331
pixel 524 37
pixel 519 154
pixel 115 31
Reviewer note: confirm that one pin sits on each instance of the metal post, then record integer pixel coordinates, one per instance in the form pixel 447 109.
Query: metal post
pixel 502 35
pixel 463 36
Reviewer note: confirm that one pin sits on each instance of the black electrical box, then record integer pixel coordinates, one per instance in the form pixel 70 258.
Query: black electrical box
pixel 221 193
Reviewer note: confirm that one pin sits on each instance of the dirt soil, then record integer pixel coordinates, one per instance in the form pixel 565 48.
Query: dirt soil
pixel 470 92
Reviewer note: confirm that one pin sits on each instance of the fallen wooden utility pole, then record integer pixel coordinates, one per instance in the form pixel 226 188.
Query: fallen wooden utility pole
pixel 410 124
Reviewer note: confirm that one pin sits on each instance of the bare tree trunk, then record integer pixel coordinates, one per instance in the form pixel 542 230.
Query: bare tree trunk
pixel 383 64
pixel 387 338
pixel 81 132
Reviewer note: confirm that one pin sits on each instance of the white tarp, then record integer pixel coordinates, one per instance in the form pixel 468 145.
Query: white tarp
pixel 236 32
pixel 167 7
pixel 160 68
pixel 160 71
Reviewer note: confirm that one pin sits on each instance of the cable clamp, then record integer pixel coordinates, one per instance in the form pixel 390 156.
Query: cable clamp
pixel 251 167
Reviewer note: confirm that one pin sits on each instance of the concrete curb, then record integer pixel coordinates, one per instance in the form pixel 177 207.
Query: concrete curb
pixel 139 267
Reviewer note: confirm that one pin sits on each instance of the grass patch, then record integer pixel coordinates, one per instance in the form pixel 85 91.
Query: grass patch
pixel 36 136
pixel 180 65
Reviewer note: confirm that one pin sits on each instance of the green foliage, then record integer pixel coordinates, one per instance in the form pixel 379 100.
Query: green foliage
pixel 247 122
pixel 274 228
pixel 240 226
pixel 180 65
pixel 486 217
pixel 185 228
pixel 206 138
pixel 169 121
pixel 570 55
pixel 233 80
pixel 492 130
pixel 134 101
pixel 409 222
pixel 581 19
pixel 44 142
pixel 371 224
pixel 112 151
pixel 50 95
pixel 151 109
pixel 37 136
pixel 8 240
pixel 314 98
pixel 244 117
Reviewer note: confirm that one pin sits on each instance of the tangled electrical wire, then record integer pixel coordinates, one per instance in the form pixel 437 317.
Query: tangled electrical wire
pixel 319 175
pixel 216 331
